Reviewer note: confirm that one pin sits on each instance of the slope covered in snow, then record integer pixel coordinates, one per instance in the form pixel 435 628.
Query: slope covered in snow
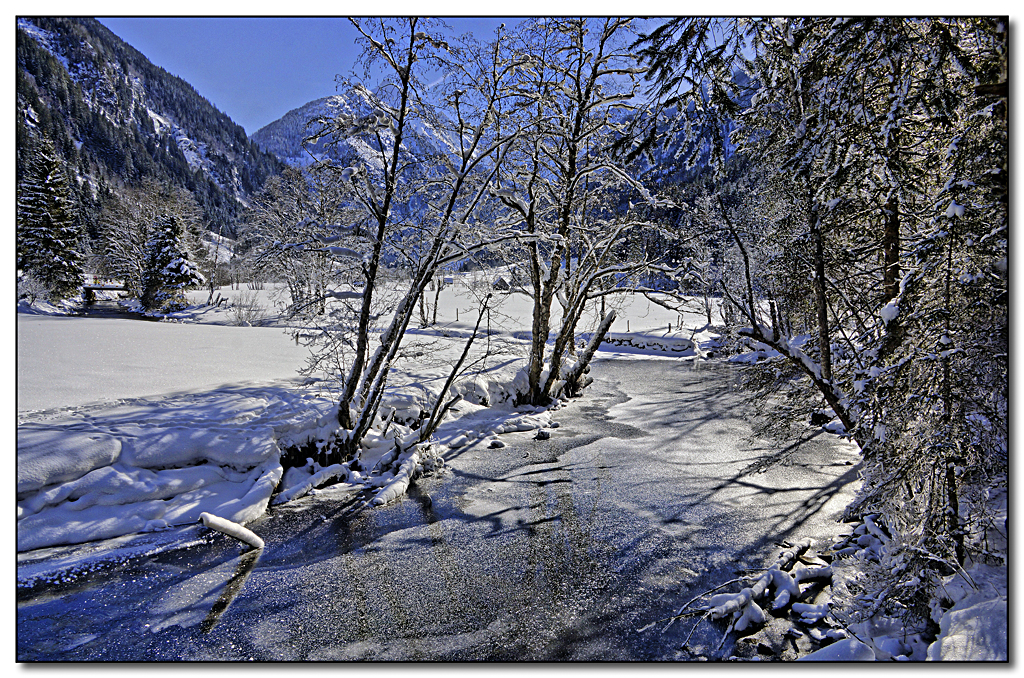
pixel 287 136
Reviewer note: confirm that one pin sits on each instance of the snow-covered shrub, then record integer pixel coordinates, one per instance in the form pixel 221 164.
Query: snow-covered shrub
pixel 30 288
pixel 246 310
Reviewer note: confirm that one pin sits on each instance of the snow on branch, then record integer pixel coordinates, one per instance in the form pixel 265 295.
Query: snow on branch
pixel 343 252
pixel 465 250
pixel 400 483
pixel 509 198
pixel 331 472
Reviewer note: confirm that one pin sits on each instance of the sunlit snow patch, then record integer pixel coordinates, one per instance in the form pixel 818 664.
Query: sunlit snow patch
pixel 150 465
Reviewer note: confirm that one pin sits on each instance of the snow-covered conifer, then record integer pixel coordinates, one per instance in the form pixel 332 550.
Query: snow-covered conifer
pixel 49 235
pixel 126 221
pixel 170 266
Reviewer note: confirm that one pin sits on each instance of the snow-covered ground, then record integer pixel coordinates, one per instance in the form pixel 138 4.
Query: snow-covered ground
pixel 127 426
pixel 67 361
pixel 130 426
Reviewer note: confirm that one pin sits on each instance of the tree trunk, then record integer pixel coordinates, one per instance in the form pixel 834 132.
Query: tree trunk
pixel 953 528
pixel 820 302
pixel 437 296
pixel 371 268
pixel 574 382
pixel 891 250
pixel 544 294
pixel 538 343
pixel 953 512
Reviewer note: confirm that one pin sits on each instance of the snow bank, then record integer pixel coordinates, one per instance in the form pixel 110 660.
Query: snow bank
pixel 496 388
pixel 679 343
pixel 119 499
pixel 645 342
pixel 846 650
pixel 43 307
pixel 79 453
pixel 975 627
pixel 973 633
pixel 969 607
pixel 147 465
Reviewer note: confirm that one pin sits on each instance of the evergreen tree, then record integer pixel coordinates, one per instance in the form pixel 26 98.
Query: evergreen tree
pixel 49 236
pixel 170 268
pixel 126 222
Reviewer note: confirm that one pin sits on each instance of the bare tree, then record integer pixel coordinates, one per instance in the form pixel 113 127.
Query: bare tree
pixel 292 211
pixel 419 202
pixel 564 181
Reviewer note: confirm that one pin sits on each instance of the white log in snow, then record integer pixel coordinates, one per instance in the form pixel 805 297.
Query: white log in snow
pixel 231 529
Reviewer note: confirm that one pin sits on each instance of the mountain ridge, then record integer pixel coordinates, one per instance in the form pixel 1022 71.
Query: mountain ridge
pixel 116 118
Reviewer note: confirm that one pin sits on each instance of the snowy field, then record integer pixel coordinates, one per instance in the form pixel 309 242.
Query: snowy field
pixel 66 361
pixel 127 426
pixel 70 361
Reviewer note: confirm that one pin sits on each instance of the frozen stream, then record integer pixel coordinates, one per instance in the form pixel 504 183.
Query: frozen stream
pixel 542 550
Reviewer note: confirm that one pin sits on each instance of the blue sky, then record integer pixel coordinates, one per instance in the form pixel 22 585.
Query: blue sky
pixel 257 69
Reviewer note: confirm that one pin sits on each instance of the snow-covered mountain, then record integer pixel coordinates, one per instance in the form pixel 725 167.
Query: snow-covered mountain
pixel 116 118
pixel 286 137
